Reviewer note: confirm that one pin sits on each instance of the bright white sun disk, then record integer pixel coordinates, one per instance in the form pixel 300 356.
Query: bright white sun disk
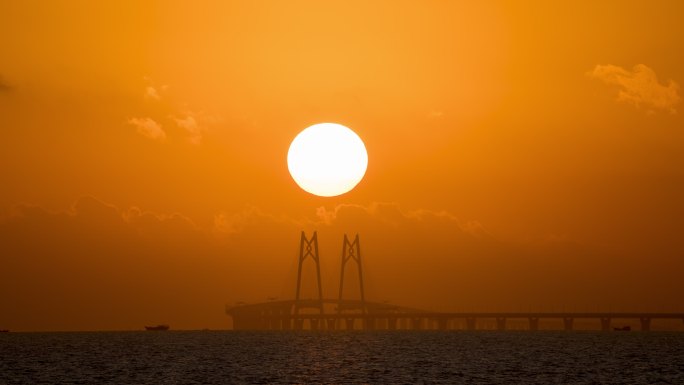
pixel 327 159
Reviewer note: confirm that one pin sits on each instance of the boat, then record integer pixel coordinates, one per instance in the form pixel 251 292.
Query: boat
pixel 4 331
pixel 158 328
pixel 623 329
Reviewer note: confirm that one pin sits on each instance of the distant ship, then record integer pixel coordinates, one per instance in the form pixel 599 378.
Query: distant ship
pixel 159 328
pixel 4 331
pixel 623 329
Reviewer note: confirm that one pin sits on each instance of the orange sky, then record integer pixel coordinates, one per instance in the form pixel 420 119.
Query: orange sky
pixel 521 155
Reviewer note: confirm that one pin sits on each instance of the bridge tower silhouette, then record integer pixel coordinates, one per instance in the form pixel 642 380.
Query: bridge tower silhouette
pixel 351 251
pixel 308 248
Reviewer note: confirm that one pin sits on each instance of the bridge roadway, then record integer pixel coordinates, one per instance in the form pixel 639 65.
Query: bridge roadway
pixel 350 315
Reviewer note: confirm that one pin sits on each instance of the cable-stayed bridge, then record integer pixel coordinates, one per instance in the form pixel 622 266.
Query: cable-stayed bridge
pixel 359 314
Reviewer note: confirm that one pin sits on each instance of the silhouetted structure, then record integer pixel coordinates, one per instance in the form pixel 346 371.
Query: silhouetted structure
pixel 285 315
pixel 309 248
pixel 351 251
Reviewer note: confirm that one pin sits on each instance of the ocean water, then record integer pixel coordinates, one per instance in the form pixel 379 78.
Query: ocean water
pixel 354 357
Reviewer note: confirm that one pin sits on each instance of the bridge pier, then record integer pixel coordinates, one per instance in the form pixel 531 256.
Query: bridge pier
pixel 605 324
pixel 349 323
pixel 369 323
pixel 534 323
pixel 392 324
pixel 471 323
pixel 645 323
pixel 416 323
pixel 285 323
pixel 442 323
pixel 299 323
pixel 501 323
pixel 314 323
pixel 331 323
pixel 567 322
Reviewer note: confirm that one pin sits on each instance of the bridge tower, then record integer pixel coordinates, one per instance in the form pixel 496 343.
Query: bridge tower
pixel 309 248
pixel 351 251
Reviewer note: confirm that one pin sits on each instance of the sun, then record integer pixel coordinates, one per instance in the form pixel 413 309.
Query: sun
pixel 327 159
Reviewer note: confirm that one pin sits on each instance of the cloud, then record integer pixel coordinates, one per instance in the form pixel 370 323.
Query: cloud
pixel 347 217
pixel 190 125
pixel 391 215
pixel 235 223
pixel 640 86
pixel 195 124
pixel 149 128
pixel 153 92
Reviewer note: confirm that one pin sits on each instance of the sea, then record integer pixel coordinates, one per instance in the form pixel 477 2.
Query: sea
pixel 342 357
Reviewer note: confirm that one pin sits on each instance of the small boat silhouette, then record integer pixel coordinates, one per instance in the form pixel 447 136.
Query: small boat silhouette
pixel 159 328
pixel 4 331
pixel 623 329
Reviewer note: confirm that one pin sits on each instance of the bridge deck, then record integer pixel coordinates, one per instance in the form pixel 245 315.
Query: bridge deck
pixel 334 314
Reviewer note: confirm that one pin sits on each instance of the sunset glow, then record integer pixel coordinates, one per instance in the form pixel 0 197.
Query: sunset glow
pixel 159 160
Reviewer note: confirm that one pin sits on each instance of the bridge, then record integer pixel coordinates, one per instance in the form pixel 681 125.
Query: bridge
pixel 349 314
